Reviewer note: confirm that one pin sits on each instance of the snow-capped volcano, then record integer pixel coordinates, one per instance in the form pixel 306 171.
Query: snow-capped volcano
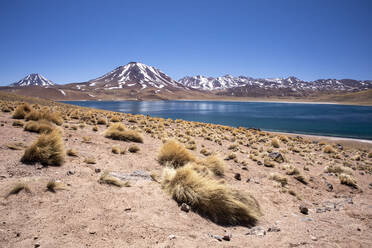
pixel 135 75
pixel 33 79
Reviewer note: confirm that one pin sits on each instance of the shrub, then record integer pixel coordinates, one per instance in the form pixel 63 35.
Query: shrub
pixel 117 131
pixel 230 156
pixel 45 114
pixel 21 111
pixel 279 178
pixel 41 126
pixel 348 180
pixel 370 155
pixel 337 169
pixel 275 143
pixel 48 149
pixel 209 197
pixel 133 149
pixel 215 164
pixel 174 154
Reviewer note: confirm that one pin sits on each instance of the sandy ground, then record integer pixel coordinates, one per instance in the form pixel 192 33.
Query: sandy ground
pixel 90 214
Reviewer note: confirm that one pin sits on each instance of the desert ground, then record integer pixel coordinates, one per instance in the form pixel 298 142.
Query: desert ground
pixel 93 185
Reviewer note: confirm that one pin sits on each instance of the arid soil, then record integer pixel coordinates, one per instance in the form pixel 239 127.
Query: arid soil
pixel 87 213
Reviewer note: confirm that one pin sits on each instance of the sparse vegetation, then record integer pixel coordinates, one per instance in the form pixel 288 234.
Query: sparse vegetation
pixel 279 178
pixel 118 131
pixel 106 178
pixel 133 149
pixel 174 154
pixel 215 164
pixel 72 153
pixel 329 149
pixel 348 180
pixel 275 143
pixel 18 188
pixel 54 185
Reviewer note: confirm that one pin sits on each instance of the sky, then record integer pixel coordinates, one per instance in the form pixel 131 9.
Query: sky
pixel 75 41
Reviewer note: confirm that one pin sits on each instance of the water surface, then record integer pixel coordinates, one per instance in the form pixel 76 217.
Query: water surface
pixel 318 119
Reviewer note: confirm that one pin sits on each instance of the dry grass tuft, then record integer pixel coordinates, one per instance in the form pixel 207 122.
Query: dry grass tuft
pixel 106 178
pixel 275 143
pixel 269 163
pixel 329 149
pixel 214 163
pixel 133 149
pixel 72 153
pixel 21 111
pixel 90 160
pixel 174 154
pixel 291 170
pixel 118 131
pixel 16 146
pixel 41 126
pixel 300 178
pixel 48 149
pixel 209 197
pixel 54 185
pixel 18 188
pixel 44 114
pixel 348 180
pixel 338 169
pixel 17 123
pixel 279 178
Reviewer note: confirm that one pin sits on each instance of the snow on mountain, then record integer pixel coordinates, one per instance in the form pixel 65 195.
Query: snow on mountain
pixel 290 84
pixel 135 75
pixel 34 80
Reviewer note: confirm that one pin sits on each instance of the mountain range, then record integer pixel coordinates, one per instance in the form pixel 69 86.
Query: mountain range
pixel 138 81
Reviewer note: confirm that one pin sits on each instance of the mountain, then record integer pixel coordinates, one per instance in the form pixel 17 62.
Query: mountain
pixel 33 79
pixel 137 76
pixel 291 86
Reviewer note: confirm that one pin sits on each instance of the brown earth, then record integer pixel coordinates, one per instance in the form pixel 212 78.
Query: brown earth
pixel 90 214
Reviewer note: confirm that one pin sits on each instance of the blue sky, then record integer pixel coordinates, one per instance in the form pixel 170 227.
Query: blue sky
pixel 74 41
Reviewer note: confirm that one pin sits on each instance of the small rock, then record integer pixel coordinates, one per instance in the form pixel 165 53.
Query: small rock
pixel 303 209
pixel 69 173
pixel 361 173
pixel 259 162
pixel 237 176
pixel 313 238
pixel 92 232
pixel 370 185
pixel 248 180
pixel 185 207
pixel 321 210
pixel 127 209
pixel 277 157
pixel 218 237
pixel 358 229
pixel 97 170
pixel 329 187
pixel 244 168
pixel 36 237
pixel 257 230
pixel 227 237
pixel 18 234
pixel 37 245
pixel 306 219
pixel 273 229
pixel 39 167
pixel 171 237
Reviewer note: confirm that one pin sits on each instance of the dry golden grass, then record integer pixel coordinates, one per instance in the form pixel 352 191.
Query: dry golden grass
pixel 209 197
pixel 230 156
pixel 174 154
pixel 338 169
pixel 21 111
pixel 370 155
pixel 16 146
pixel 106 178
pixel 101 121
pixel 133 149
pixel 17 123
pixel 54 185
pixel 72 153
pixel 214 163
pixel 94 128
pixel 115 149
pixel 328 149
pixel 269 163
pixel 300 178
pixel 275 143
pixel 118 131
pixel 205 152
pixel 18 188
pixel 90 160
pixel 348 180
pixel 48 149
pixel 279 178
pixel 41 126
pixel 45 114
pixel 290 170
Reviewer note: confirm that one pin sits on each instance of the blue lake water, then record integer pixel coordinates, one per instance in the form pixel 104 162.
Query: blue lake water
pixel 319 119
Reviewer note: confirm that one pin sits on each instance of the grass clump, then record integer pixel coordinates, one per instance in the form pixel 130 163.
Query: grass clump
pixel 174 154
pixel 45 114
pixel 118 131
pixel 338 169
pixel 329 149
pixel 41 126
pixel 17 123
pixel 54 185
pixel 348 180
pixel 209 197
pixel 101 121
pixel 15 146
pixel 279 178
pixel 106 178
pixel 90 160
pixel 215 164
pixel 205 152
pixel 133 149
pixel 72 153
pixel 21 111
pixel 269 163
pixel 48 149
pixel 275 143
pixel 18 188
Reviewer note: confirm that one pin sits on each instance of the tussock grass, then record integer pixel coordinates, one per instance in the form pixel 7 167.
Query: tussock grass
pixel 329 149
pixel 275 143
pixel 269 163
pixel 214 163
pixel 15 146
pixel 48 149
pixel 21 111
pixel 205 152
pixel 17 123
pixel 279 178
pixel 300 178
pixel 338 169
pixel 45 114
pixel 230 156
pixel 41 126
pixel 133 149
pixel 72 153
pixel 174 154
pixel 209 197
pixel 106 178
pixel 115 149
pixel 18 188
pixel 101 121
pixel 54 185
pixel 90 160
pixel 118 131
pixel 348 180
pixel 290 170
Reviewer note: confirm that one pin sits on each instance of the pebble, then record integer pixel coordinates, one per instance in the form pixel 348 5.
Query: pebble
pixel 185 207
pixel 306 219
pixel 227 237
pixel 329 187
pixel 313 238
pixel 244 168
pixel 248 180
pixel 218 237
pixel 37 245
pixel 257 230
pixel 69 173
pixel 171 237
pixel 259 163
pixel 97 170
pixel 303 209
pixel 273 229
pixel 238 176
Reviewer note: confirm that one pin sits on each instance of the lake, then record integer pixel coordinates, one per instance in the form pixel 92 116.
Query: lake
pixel 318 119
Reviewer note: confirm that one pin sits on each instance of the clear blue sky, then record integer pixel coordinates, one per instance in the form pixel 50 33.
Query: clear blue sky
pixel 74 41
